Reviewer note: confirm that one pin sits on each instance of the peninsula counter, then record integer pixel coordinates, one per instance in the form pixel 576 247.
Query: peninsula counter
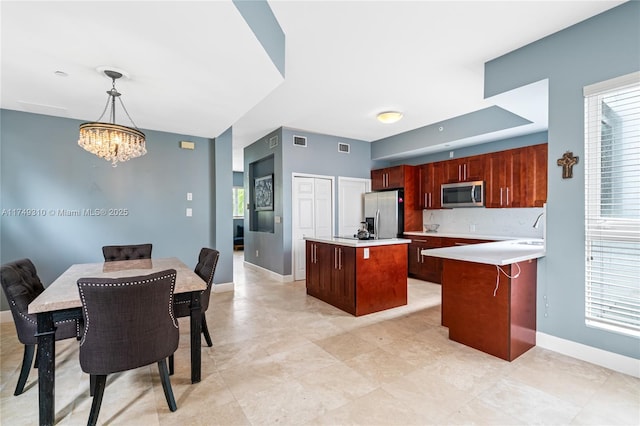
pixel 489 295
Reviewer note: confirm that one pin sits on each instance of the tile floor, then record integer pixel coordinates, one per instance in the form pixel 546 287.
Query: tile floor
pixel 282 357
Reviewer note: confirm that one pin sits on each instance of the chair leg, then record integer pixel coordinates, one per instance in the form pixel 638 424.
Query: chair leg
pixel 27 358
pixel 166 385
pixel 100 383
pixel 171 365
pixel 92 384
pixel 205 331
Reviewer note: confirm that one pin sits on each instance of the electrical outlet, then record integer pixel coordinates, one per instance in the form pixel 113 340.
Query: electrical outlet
pixel 189 196
pixel 366 253
pixel 257 253
pixel 472 227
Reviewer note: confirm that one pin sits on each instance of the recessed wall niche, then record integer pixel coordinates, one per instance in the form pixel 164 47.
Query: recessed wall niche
pixel 261 218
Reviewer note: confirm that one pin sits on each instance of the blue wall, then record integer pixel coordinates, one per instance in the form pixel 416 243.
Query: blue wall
pixel 259 16
pixel 600 48
pixel 219 184
pixel 320 157
pixel 475 123
pixel 485 148
pixel 265 249
pixel 42 167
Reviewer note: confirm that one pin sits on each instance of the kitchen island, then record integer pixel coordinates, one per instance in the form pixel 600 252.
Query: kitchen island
pixel 489 295
pixel 358 276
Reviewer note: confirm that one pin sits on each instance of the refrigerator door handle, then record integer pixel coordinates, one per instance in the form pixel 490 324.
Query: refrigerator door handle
pixel 376 224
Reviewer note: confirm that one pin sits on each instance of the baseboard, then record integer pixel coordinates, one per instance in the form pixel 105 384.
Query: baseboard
pixel 5 316
pixel 222 287
pixel 273 275
pixel 610 360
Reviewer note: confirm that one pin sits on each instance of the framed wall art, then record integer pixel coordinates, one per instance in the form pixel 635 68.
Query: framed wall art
pixel 263 192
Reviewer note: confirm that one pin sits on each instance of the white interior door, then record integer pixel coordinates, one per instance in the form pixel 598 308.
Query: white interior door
pixel 303 212
pixel 312 214
pixel 351 204
pixel 324 208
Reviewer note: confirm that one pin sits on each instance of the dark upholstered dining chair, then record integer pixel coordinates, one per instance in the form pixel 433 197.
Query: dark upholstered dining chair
pixel 128 252
pixel 21 285
pixel 129 323
pixel 205 269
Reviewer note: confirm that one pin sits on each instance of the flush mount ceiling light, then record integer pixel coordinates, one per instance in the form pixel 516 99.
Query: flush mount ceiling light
pixel 112 141
pixel 389 117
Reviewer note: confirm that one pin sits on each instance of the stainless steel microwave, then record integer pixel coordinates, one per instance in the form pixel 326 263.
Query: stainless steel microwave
pixel 463 194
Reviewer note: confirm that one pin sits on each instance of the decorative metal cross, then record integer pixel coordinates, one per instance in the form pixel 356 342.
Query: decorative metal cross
pixel 567 162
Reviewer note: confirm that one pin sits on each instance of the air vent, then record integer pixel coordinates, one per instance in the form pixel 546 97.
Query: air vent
pixel 300 141
pixel 273 142
pixel 344 147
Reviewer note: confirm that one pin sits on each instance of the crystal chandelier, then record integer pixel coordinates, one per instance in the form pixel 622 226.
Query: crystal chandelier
pixel 112 141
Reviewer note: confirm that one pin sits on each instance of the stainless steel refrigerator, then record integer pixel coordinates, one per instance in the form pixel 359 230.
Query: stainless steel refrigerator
pixel 384 213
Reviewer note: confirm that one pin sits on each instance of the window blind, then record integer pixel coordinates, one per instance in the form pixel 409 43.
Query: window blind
pixel 612 205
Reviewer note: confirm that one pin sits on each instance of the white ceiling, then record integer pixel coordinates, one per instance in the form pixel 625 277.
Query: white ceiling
pixel 195 68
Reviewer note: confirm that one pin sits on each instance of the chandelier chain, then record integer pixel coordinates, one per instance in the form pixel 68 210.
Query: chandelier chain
pixel 127 112
pixel 105 108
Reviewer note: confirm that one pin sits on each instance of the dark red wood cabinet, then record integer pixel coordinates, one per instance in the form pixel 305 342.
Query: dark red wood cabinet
pixel 430 178
pixel 423 267
pixel 486 310
pixel 357 280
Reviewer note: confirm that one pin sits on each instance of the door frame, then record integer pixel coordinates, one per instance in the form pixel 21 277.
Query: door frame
pixel 293 201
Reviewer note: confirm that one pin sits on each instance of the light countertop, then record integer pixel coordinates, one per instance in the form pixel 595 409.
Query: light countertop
pixel 494 253
pixel 353 242
pixel 461 235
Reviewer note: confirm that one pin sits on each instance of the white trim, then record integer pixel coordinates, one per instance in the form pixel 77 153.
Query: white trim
pixel 222 287
pixel 610 360
pixel 5 316
pixel 614 83
pixel 273 275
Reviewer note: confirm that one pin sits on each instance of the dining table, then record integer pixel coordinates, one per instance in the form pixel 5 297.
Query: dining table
pixel 61 300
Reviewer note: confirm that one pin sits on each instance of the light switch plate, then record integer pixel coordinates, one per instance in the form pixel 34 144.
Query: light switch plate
pixel 189 212
pixel 189 196
pixel 366 252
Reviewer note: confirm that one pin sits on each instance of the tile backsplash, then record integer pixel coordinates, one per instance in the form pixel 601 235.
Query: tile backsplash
pixel 515 222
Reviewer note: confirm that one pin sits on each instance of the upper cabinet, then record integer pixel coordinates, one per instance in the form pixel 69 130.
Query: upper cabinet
pixel 403 177
pixel 465 169
pixel 429 182
pixel 389 178
pixel 503 180
pixel 517 177
pixel 536 175
pixel 513 178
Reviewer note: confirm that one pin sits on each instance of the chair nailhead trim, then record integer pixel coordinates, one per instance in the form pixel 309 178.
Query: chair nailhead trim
pixel 126 284
pixel 26 317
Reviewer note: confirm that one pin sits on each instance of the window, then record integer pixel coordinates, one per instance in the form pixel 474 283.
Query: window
pixel 612 205
pixel 238 201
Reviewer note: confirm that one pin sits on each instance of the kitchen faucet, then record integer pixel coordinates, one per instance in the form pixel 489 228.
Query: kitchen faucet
pixel 537 222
